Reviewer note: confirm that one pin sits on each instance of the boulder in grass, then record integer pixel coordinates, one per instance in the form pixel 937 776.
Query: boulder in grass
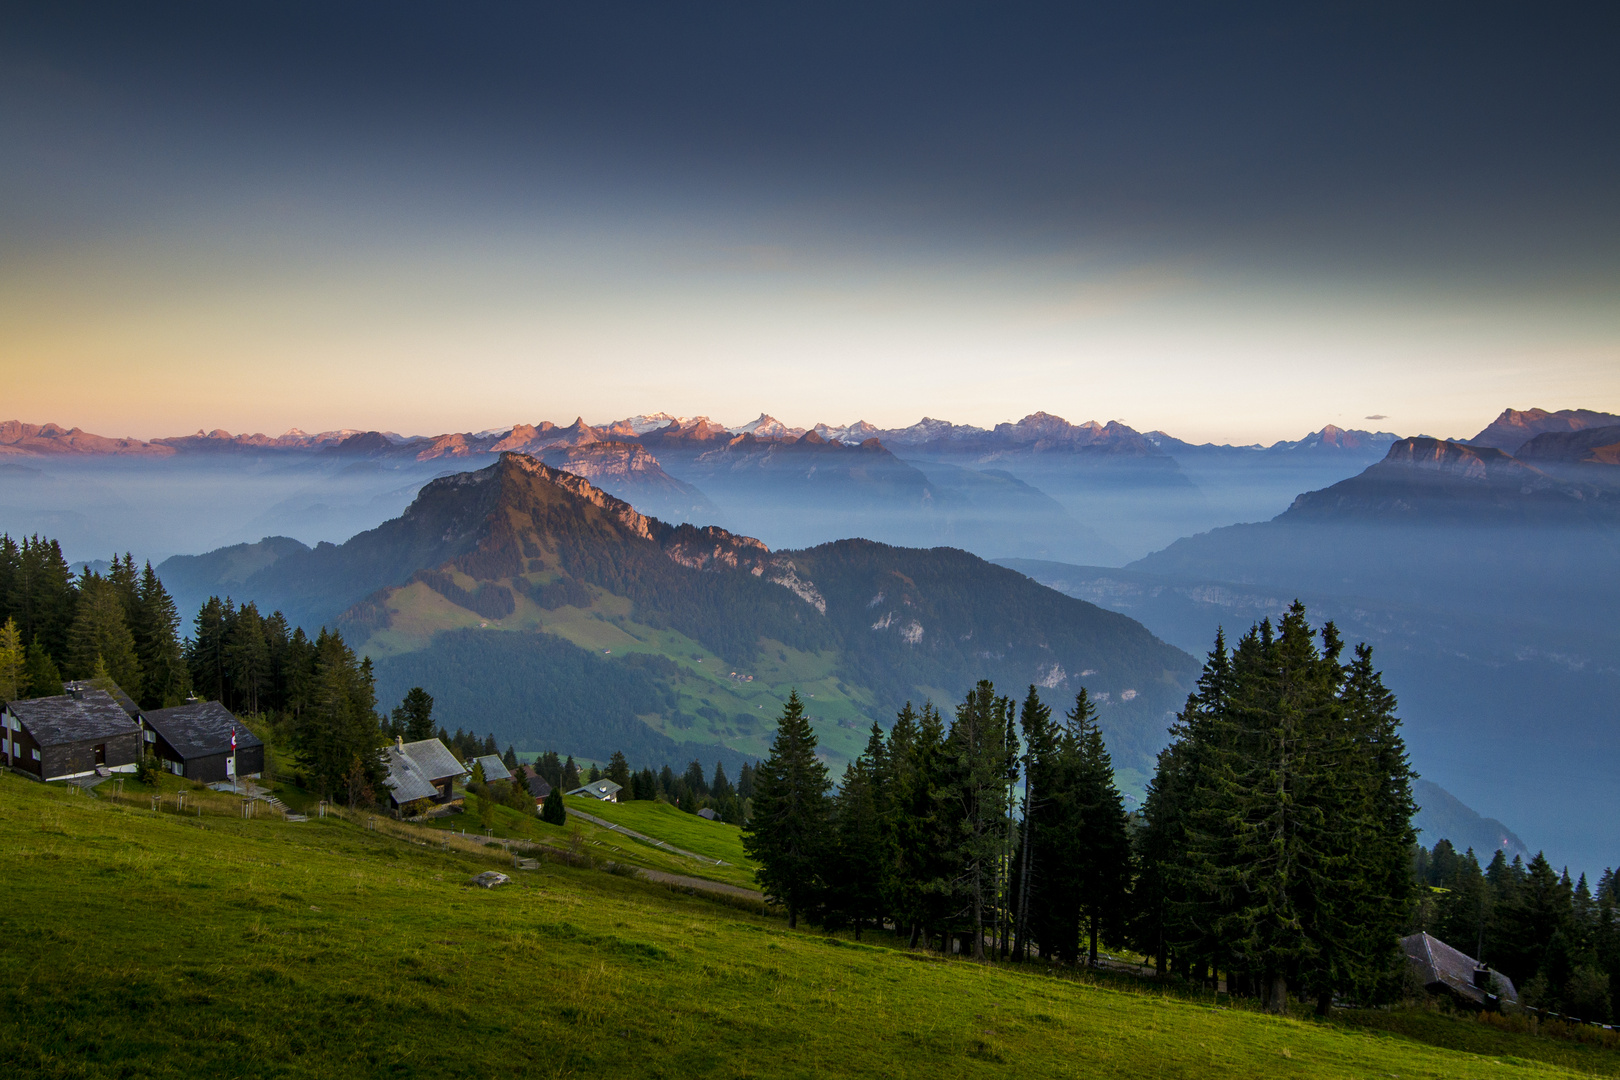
pixel 490 878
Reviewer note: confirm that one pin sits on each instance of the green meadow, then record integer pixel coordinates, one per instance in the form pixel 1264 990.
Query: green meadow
pixel 154 944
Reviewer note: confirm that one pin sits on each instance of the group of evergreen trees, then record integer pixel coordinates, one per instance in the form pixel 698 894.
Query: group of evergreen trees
pixel 926 832
pixel 1273 846
pixel 1277 829
pixel 55 625
pixel 1557 940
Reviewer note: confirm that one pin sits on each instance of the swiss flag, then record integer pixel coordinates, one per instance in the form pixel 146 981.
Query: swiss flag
pixel 233 740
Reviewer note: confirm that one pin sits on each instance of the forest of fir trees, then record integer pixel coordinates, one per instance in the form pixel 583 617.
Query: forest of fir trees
pixel 1272 852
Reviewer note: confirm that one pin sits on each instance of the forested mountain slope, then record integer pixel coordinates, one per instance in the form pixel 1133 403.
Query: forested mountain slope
pixel 534 605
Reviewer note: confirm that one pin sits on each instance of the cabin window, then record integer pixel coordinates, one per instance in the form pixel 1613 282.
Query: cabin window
pixel 101 753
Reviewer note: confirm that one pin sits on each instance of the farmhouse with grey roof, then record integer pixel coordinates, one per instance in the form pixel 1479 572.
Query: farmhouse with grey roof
pixel 424 770
pixel 69 735
pixel 603 789
pixel 194 740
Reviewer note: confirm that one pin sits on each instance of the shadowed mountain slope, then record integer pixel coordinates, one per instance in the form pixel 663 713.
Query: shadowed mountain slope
pixel 518 589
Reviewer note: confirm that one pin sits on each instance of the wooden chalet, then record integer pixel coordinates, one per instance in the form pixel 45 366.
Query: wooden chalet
pixel 68 736
pixel 194 740
pixel 421 772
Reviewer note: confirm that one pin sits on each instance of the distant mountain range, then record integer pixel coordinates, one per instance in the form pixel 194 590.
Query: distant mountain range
pixel 535 605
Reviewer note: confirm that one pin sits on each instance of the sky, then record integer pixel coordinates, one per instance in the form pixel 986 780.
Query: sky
pixel 1228 222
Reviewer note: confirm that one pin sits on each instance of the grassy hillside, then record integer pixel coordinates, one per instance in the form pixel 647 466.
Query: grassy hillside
pixel 145 944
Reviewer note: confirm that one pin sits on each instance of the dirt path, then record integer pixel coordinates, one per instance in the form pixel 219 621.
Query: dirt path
pixel 701 884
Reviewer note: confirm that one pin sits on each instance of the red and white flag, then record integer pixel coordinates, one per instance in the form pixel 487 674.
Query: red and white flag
pixel 233 740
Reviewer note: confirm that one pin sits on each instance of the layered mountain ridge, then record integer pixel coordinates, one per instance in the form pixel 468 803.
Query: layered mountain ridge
pixel 500 585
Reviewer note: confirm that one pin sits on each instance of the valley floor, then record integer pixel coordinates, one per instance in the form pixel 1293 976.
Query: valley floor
pixel 149 944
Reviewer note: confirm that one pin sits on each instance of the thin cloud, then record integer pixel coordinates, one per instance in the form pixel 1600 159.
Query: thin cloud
pixel 1376 416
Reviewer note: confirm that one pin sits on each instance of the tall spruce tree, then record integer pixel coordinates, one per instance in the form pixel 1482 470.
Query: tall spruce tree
pixel 974 788
pixel 12 660
pixel 1103 850
pixel 788 832
pixel 414 717
pixel 99 631
pixel 855 859
pixel 165 679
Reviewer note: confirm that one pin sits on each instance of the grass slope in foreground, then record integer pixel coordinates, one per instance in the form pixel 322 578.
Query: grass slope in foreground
pixel 141 944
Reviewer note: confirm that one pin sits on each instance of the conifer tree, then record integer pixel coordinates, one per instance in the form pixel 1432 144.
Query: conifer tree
pixel 855 865
pixel 12 660
pixel 552 810
pixel 40 672
pixel 340 725
pixel 618 770
pixel 205 649
pixel 1103 851
pixel 788 832
pixel 974 785
pixel 414 715
pixel 165 679
pixel 99 630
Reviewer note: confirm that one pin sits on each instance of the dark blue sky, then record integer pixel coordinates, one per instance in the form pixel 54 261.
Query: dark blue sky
pixel 1376 176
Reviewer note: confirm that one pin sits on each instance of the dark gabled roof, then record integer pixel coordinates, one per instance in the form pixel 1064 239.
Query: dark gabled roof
pixel 1438 964
pixel 538 787
pixel 55 721
pixel 124 702
pixel 200 729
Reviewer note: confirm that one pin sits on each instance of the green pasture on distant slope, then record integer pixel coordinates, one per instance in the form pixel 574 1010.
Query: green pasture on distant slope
pixel 155 945
pixel 670 824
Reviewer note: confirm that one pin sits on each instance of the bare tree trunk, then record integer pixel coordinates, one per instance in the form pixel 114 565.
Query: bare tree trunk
pixel 1277 995
pixel 978 914
pixel 1023 874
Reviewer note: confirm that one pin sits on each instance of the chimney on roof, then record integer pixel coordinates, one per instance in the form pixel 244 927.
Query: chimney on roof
pixel 399 742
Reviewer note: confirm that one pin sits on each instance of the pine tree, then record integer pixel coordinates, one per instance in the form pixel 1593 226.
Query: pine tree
pixel 414 715
pixel 40 672
pixel 165 679
pixel 974 784
pixel 1103 865
pixel 205 649
pixel 247 658
pixel 12 660
pixel 570 775
pixel 552 810
pixel 855 864
pixel 99 630
pixel 1035 722
pixel 789 828
pixel 618 770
